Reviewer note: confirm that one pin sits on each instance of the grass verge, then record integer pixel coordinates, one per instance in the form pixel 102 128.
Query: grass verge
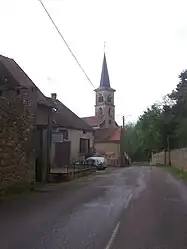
pixel 176 171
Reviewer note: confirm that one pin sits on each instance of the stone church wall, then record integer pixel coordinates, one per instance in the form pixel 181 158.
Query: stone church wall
pixel 105 110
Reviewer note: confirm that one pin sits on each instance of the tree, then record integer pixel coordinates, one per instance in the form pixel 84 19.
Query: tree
pixel 149 126
pixel 160 125
pixel 179 111
pixel 145 136
pixel 131 141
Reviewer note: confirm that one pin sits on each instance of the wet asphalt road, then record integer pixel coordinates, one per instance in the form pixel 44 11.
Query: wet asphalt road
pixel 125 208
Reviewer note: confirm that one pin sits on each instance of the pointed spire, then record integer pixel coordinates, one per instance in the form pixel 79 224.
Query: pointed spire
pixel 105 82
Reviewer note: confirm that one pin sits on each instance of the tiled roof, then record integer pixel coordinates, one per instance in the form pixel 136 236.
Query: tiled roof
pixel 117 134
pixel 66 118
pixel 108 134
pixel 21 79
pixel 92 121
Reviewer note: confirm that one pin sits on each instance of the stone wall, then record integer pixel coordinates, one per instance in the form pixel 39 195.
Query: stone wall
pixel 17 119
pixel 178 158
pixel 159 158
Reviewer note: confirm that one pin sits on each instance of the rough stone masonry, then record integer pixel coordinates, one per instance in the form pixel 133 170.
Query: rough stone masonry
pixel 17 126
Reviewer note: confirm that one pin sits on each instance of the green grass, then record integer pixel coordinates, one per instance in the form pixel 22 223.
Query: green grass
pixel 176 171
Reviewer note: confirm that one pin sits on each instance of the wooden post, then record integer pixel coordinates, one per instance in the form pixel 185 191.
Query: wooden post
pixel 169 156
pixel 123 122
pixel 49 142
pixel 122 143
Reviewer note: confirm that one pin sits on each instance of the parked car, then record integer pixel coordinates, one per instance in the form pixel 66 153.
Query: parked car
pixel 98 162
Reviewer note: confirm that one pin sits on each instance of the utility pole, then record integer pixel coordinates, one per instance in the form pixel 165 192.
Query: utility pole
pixel 168 145
pixel 122 143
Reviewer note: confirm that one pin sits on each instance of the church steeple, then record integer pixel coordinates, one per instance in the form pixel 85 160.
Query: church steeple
pixel 104 82
pixel 104 106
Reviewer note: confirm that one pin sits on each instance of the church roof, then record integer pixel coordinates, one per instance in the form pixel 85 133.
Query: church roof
pixel 93 121
pixel 108 134
pixel 104 82
pixel 116 135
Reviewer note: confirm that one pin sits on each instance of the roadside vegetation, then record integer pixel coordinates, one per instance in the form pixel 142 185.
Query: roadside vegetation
pixel 176 171
pixel 163 126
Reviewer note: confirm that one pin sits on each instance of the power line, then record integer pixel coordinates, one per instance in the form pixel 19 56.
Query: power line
pixel 57 29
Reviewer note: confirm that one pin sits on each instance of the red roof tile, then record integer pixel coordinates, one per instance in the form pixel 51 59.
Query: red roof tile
pixel 92 121
pixel 116 135
pixel 108 134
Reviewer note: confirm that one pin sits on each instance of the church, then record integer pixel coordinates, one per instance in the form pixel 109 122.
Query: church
pixel 107 131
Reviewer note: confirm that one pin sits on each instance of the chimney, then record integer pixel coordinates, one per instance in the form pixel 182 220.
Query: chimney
pixel 53 96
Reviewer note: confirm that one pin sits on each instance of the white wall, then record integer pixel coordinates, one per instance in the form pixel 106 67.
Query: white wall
pixel 74 136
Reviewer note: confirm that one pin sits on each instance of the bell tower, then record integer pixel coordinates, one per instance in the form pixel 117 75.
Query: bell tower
pixel 104 105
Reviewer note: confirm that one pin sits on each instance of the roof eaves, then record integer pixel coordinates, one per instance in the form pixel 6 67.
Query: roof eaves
pixel 71 117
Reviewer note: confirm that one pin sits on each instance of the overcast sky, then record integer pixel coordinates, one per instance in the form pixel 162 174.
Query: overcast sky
pixel 146 48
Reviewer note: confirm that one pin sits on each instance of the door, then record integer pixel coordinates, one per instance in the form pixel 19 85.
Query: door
pixel 62 154
pixel 38 158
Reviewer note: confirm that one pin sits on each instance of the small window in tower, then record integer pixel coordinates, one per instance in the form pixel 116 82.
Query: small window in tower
pixel 109 99
pixel 100 98
pixel 110 122
pixel 100 111
pixel 110 112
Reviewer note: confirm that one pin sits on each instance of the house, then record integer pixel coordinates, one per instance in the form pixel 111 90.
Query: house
pixel 25 121
pixel 107 142
pixel 73 139
pixel 107 131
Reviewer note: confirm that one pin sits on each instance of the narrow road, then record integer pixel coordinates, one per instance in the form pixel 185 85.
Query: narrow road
pixel 125 208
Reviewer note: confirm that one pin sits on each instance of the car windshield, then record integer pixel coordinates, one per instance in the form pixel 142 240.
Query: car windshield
pixel 101 159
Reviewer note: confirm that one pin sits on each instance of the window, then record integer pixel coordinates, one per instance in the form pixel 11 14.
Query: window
pixel 110 112
pixel 84 145
pixel 100 111
pixel 57 137
pixel 110 122
pixel 109 99
pixel 65 133
pixel 84 132
pixel 100 98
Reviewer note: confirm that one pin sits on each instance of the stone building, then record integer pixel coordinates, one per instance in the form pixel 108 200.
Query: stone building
pixel 24 128
pixel 107 131
pixel 73 138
